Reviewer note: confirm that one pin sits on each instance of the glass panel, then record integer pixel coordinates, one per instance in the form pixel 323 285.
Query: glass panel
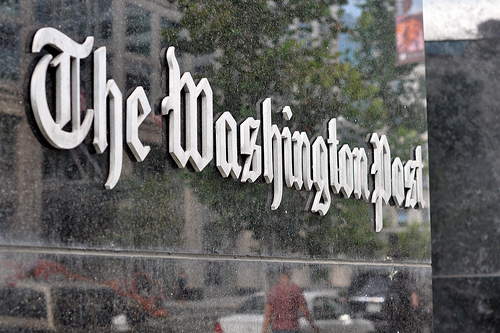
pixel 138 75
pixel 158 205
pixel 162 186
pixel 23 303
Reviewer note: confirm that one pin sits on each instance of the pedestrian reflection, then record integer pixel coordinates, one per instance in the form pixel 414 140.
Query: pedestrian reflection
pixel 282 306
pixel 181 291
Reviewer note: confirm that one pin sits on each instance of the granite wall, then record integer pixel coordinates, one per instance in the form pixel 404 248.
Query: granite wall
pixel 464 125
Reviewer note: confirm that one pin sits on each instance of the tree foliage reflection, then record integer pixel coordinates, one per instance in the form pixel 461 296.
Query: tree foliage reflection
pixel 287 50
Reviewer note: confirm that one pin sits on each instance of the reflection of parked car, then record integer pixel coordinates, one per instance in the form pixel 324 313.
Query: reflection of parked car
pixel 389 301
pixel 325 306
pixel 66 306
pixel 367 295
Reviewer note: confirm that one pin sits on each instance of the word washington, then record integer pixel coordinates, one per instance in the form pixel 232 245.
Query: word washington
pixel 254 148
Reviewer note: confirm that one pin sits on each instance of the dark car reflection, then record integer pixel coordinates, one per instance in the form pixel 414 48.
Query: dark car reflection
pixel 69 306
pixel 393 302
pixel 367 294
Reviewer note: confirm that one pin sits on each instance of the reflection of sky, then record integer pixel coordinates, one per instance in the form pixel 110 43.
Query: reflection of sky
pixel 416 7
pixel 346 46
pixel 457 19
pixel 352 9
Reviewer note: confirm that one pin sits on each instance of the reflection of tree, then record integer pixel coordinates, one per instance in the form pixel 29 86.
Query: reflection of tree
pixel 142 212
pixel 76 214
pixel 257 53
pixel 401 93
pixel 260 50
pixel 242 206
pixel 277 50
pixel 413 243
pixel 151 215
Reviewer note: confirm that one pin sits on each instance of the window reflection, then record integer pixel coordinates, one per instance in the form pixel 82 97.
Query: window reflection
pixel 402 217
pixel 144 294
pixel 138 75
pixel 166 24
pixel 23 303
pixel 327 308
pixel 8 164
pixel 156 207
pixel 213 275
pixel 9 6
pixel 9 52
pixel 138 38
pixel 75 17
pixel 8 133
pixel 44 11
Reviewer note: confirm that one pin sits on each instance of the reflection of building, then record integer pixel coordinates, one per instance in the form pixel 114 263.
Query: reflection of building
pixel 41 174
pixel 54 194
pixel 19 155
pixel 409 31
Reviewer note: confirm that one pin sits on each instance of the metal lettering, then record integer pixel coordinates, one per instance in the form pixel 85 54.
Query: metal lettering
pixel 100 100
pixel 104 91
pixel 398 183
pixel 67 65
pixel 322 199
pixel 333 157
pixel 346 169
pixel 381 169
pixel 138 109
pixel 305 154
pixel 115 132
pixel 419 178
pixel 361 190
pixel 286 136
pixel 252 168
pixel 226 146
pixel 272 153
pixel 171 106
pixel 297 172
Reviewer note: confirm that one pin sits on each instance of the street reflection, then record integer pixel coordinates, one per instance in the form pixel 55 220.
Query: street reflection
pixel 51 295
pixel 57 198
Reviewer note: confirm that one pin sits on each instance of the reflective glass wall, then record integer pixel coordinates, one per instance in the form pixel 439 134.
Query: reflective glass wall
pixel 162 163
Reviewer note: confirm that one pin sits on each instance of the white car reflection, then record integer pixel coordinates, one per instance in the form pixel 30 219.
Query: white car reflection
pixel 325 306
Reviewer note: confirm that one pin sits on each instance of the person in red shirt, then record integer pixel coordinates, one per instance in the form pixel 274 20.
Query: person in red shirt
pixel 282 306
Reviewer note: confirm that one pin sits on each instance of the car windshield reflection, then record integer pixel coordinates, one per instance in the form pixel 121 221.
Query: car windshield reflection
pixel 254 305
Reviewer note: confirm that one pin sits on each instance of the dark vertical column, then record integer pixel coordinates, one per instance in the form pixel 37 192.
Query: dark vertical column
pixel 463 89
